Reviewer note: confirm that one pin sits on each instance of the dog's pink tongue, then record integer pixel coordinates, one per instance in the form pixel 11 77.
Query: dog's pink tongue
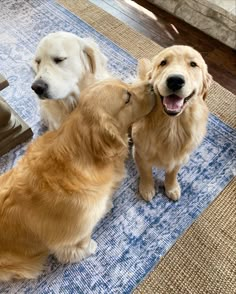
pixel 173 102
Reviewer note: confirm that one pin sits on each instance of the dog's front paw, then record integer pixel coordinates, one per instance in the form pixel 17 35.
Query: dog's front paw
pixel 173 192
pixel 147 191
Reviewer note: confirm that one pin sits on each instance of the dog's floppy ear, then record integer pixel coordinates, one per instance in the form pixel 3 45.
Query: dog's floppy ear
pixel 91 57
pixel 96 59
pixel 144 69
pixel 207 80
pixel 106 141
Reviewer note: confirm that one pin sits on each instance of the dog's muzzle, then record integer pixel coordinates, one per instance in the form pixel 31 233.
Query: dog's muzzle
pixel 175 82
pixel 40 88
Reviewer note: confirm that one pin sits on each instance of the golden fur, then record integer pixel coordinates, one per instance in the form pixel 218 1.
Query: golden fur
pixel 62 187
pixel 165 140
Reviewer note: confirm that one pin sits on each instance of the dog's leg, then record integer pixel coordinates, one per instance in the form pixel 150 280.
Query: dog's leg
pixel 172 187
pixel 14 267
pixel 75 253
pixel 146 183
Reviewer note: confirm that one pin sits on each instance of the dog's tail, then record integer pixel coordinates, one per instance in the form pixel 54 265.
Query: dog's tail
pixel 21 267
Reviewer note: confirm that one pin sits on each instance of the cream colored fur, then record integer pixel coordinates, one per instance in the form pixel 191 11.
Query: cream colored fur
pixel 82 64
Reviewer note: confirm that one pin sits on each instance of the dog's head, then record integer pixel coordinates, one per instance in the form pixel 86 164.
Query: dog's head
pixel 179 75
pixel 111 107
pixel 61 61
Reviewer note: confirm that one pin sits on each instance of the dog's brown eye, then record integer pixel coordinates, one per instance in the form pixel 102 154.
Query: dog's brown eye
pixel 58 60
pixel 128 96
pixel 193 64
pixel 163 62
pixel 38 61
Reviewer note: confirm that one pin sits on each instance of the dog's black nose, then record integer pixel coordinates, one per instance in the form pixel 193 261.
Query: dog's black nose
pixel 175 82
pixel 39 87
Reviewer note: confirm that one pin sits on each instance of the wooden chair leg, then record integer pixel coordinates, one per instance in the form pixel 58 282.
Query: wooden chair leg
pixel 13 130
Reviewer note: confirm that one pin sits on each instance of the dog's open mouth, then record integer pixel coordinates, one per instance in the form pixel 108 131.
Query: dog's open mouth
pixel 173 104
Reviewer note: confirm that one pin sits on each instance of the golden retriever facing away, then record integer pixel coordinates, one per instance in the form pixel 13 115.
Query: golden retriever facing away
pixel 51 201
pixel 167 136
pixel 64 65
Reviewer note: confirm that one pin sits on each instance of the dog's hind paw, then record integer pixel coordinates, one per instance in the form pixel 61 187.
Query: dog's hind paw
pixel 76 253
pixel 92 247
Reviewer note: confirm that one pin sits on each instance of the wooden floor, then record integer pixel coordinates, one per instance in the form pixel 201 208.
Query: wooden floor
pixel 167 30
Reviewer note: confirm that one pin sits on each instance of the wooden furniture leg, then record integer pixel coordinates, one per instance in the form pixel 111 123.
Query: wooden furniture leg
pixel 13 130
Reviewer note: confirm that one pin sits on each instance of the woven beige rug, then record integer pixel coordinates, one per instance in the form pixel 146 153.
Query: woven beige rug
pixel 203 260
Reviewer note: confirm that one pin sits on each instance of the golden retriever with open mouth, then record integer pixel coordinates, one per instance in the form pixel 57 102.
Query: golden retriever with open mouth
pixel 64 65
pixel 167 136
pixel 51 201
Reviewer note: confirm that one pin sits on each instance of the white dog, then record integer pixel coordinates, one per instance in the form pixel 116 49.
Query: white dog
pixel 64 65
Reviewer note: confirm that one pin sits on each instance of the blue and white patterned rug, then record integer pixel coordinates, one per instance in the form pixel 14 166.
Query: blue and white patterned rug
pixel 134 235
